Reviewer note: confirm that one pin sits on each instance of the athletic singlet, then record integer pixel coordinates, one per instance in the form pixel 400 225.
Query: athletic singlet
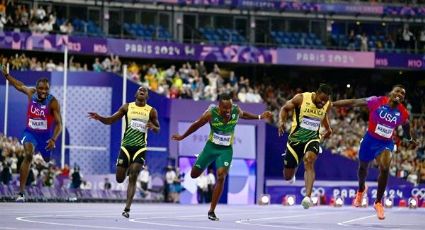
pixel 306 120
pixel 39 118
pixel 222 133
pixel 136 119
pixel 383 119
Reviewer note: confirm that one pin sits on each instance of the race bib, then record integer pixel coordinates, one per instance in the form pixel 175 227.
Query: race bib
pixel 138 125
pixel 221 139
pixel 384 131
pixel 310 124
pixel 37 124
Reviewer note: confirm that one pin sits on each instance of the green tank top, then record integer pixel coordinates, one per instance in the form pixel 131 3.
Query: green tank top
pixel 306 120
pixel 135 130
pixel 222 133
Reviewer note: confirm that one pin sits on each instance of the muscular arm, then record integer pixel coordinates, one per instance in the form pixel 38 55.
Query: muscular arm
pixel 289 106
pixel 58 118
pixel 326 123
pixel 249 116
pixel 350 103
pixel 205 118
pixel 29 91
pixel 109 120
pixel 153 123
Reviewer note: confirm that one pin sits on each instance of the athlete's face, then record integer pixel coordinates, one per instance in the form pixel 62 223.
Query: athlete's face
pixel 320 100
pixel 42 90
pixel 142 93
pixel 225 106
pixel 397 95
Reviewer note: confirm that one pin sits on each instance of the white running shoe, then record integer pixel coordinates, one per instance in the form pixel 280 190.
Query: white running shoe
pixel 20 198
pixel 306 203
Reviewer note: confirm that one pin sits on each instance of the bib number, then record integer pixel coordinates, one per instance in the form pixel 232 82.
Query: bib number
pixel 37 124
pixel 384 131
pixel 138 125
pixel 310 124
pixel 221 139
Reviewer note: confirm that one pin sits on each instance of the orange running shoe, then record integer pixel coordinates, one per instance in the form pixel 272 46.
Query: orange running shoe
pixel 357 202
pixel 379 210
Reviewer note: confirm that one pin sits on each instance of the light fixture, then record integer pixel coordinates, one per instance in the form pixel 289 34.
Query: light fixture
pixel 339 201
pixel 388 202
pixel 365 202
pixel 289 200
pixel 315 200
pixel 413 202
pixel 264 199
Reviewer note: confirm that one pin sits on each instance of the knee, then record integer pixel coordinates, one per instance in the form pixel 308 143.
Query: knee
pixel 132 176
pixel 288 177
pixel 221 178
pixel 308 163
pixel 193 175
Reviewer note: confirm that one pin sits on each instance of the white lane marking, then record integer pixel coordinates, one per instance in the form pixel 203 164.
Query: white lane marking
pixel 248 221
pixel 355 219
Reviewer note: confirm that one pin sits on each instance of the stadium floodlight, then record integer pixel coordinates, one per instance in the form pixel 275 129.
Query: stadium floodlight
pixel 289 200
pixel 264 199
pixel 339 201
pixel 388 202
pixel 413 202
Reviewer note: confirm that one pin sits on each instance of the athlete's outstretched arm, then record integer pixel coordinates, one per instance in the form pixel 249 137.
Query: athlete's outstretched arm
pixel 58 124
pixel 350 102
pixel 205 118
pixel 109 120
pixel 326 123
pixel 16 83
pixel 249 116
pixel 153 123
pixel 289 106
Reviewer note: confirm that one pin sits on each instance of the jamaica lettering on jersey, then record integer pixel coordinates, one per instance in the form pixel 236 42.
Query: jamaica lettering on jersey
pixel 136 132
pixel 306 120
pixel 222 133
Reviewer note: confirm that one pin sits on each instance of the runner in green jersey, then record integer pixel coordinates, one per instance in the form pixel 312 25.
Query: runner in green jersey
pixel 139 118
pixel 309 112
pixel 222 119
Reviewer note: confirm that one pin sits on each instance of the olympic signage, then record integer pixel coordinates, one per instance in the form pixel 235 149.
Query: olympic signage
pixel 346 192
pixel 211 53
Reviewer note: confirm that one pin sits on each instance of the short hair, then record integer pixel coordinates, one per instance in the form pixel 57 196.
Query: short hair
pixel 324 88
pixel 224 97
pixel 45 80
pixel 399 85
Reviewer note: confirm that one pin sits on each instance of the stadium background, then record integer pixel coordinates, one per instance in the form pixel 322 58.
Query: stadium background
pixel 281 47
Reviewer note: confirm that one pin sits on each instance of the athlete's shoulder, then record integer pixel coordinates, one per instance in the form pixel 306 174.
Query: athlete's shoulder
pixel 403 110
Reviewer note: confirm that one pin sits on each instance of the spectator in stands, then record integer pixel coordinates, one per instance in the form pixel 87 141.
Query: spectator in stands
pixel 66 27
pixel 351 40
pixel 422 40
pixel 107 184
pixel 144 178
pixel 97 67
pixel 6 174
pixel 170 176
pixel 76 178
pixel 363 42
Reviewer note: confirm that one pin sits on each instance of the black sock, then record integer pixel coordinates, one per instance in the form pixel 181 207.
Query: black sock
pixel 126 210
pixel 21 194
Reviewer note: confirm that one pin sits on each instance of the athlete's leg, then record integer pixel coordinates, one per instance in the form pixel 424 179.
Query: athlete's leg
pixel 196 172
pixel 362 174
pixel 120 174
pixel 309 174
pixel 384 162
pixel 132 179
pixel 25 166
pixel 218 189
pixel 289 173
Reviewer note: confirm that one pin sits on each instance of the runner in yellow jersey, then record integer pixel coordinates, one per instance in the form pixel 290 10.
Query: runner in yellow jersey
pixel 309 112
pixel 139 117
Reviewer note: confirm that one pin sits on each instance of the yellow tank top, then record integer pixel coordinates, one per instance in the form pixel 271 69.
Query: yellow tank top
pixel 306 120
pixel 136 119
